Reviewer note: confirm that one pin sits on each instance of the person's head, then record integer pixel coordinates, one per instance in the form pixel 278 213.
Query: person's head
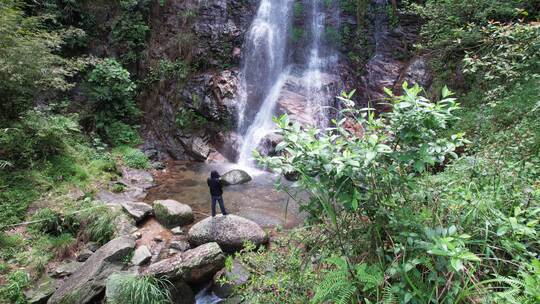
pixel 214 174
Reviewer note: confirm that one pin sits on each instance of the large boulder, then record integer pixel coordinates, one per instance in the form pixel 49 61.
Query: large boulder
pixel 235 177
pixel 138 210
pixel 171 213
pixel 193 266
pixel 89 281
pixel 229 231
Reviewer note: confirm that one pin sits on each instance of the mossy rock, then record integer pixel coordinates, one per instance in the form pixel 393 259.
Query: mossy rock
pixel 171 213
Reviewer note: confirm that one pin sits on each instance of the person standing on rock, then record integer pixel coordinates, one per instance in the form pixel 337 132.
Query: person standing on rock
pixel 216 191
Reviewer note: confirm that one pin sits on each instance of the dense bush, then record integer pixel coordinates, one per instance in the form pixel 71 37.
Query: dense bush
pixel 391 227
pixel 30 64
pixel 111 95
pixel 36 135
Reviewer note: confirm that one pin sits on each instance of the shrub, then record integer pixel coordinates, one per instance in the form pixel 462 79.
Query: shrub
pixel 29 61
pixel 118 133
pixel 132 157
pixel 111 93
pixel 140 290
pixel 36 136
pixel 13 289
pixel 98 224
pixel 48 221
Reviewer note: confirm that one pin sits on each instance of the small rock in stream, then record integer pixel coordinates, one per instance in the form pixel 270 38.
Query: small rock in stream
pixel 235 177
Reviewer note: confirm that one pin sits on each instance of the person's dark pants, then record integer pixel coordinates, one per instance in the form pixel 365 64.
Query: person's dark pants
pixel 218 199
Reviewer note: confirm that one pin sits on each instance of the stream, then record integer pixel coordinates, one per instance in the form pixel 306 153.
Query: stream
pixel 257 200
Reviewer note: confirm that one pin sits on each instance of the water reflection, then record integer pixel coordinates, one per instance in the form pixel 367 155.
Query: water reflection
pixel 257 200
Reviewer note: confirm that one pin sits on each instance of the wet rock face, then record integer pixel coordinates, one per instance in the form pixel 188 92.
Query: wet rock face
pixel 213 95
pixel 391 63
pixel 209 35
pixel 137 210
pixel 268 144
pixel 230 232
pixel 220 27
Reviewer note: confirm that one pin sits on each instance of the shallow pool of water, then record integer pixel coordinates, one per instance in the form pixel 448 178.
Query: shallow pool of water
pixel 257 200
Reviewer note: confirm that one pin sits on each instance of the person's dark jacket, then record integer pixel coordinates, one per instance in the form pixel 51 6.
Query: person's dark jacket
pixel 216 189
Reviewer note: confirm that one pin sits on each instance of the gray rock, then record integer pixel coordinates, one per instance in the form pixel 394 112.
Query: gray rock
pixel 84 255
pixel 92 246
pixel 237 276
pixel 136 235
pixel 177 231
pixel 66 269
pixel 180 245
pixel 235 177
pixel 137 210
pixel 229 231
pixel 141 256
pixel 193 266
pixel 171 213
pixel 42 291
pixel 90 279
pixel 267 146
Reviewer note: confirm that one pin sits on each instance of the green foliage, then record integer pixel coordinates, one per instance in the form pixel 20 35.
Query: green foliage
pixel 298 9
pixel 12 290
pixel 140 290
pixel 111 96
pixel 166 70
pixel 30 64
pixel 133 158
pixel 130 30
pixel 297 34
pixel 389 200
pixel 493 41
pixel 35 136
pixel 279 279
pixel 99 224
pixel 47 221
pixel 189 120
pixel 510 53
pixel 336 285
pixel 332 35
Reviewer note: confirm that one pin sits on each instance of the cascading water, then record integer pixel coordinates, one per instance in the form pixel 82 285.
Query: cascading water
pixel 265 72
pixel 265 51
pixel 262 72
pixel 317 96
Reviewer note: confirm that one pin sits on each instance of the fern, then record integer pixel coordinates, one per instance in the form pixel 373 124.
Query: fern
pixel 340 287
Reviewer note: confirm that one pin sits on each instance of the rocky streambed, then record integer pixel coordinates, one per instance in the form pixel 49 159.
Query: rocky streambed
pixel 164 230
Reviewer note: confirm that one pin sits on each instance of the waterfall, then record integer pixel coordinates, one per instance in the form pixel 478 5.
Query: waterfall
pixel 265 71
pixel 265 50
pixel 263 67
pixel 318 96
